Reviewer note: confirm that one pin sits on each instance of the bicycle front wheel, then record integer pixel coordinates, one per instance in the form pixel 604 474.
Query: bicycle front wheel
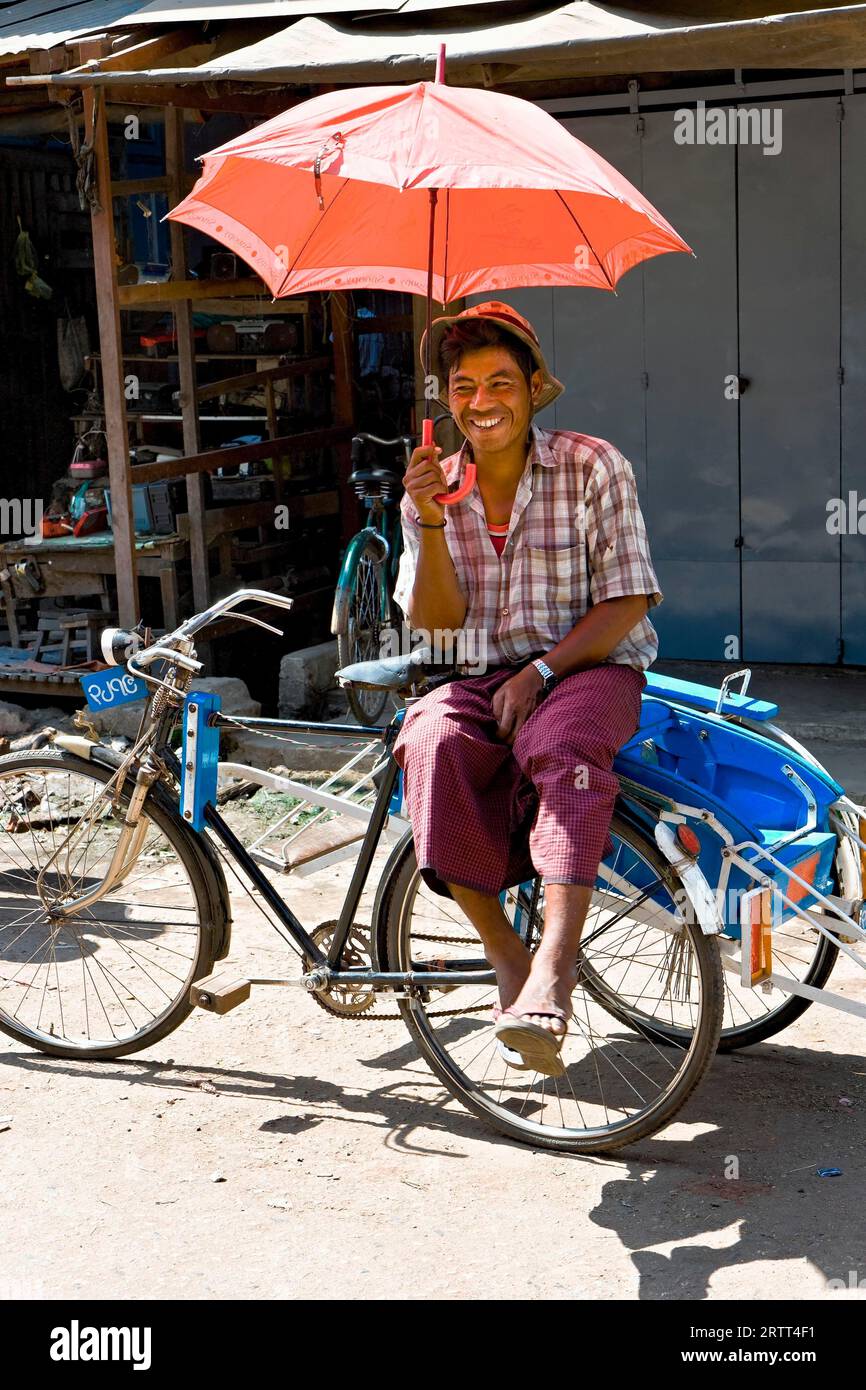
pixel 114 977
pixel 620 1085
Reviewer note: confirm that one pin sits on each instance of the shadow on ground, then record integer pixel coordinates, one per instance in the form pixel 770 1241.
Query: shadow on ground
pixel 742 1187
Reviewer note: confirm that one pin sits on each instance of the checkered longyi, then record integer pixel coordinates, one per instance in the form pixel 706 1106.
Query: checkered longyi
pixel 488 815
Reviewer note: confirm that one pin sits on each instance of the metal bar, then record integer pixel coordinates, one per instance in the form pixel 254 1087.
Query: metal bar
pixel 684 96
pixel 361 872
pixel 277 904
pixel 818 996
pixel 414 977
pixel 307 794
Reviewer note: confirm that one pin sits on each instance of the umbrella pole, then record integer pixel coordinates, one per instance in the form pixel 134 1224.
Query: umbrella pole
pixel 427 423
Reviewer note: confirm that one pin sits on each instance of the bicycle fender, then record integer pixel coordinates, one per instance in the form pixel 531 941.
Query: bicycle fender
pixel 357 545
pixel 220 910
pixel 692 878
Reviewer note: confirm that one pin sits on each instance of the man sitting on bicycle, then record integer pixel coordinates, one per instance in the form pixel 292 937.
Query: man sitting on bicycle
pixel 507 774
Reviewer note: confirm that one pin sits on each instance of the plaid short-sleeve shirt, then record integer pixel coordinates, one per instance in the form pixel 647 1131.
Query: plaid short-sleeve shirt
pixel 576 537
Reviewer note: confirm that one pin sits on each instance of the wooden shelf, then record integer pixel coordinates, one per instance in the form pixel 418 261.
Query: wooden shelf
pixel 171 291
pixel 206 357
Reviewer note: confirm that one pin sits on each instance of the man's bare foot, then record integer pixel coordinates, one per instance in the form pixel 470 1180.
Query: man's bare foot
pixel 511 963
pixel 545 998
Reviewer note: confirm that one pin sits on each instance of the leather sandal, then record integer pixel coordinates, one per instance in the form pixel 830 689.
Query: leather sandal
pixel 538 1048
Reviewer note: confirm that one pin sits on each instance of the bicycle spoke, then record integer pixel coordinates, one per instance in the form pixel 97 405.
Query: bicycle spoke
pixel 110 973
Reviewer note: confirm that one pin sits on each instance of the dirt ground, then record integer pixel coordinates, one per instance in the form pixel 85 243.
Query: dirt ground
pixel 281 1153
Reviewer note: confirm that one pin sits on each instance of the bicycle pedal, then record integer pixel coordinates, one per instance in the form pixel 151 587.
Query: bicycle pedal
pixel 220 993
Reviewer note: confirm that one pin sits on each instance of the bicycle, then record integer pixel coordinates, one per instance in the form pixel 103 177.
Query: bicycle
pixel 115 911
pixel 363 606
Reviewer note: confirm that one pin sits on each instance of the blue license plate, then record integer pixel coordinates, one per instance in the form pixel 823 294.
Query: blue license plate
pixel 108 689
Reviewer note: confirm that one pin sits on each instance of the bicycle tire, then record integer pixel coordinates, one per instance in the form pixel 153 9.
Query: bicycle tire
pixel 397 898
pixel 734 1036
pixel 205 893
pixel 366 705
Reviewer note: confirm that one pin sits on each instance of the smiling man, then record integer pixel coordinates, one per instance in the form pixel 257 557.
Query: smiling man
pixel 508 773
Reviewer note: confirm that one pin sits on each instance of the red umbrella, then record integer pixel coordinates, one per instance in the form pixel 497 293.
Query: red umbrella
pixel 428 189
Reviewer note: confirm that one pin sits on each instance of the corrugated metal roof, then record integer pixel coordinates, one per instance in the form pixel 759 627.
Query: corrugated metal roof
pixel 36 24
pixel 188 11
pixel 40 24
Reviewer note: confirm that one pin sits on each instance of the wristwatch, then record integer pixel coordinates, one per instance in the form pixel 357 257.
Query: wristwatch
pixel 548 677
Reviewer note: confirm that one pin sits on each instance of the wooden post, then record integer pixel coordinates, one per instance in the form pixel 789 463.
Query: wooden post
pixel 344 410
pixel 110 344
pixel 195 485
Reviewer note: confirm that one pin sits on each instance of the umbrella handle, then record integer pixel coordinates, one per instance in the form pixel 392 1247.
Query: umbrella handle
pixel 447 499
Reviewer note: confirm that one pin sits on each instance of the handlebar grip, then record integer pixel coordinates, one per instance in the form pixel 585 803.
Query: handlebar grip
pixel 447 499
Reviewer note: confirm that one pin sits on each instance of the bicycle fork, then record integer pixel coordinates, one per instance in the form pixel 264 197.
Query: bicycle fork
pixel 129 846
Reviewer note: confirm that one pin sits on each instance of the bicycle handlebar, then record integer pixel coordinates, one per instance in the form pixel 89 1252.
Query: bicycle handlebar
pixel 176 647
pixel 225 605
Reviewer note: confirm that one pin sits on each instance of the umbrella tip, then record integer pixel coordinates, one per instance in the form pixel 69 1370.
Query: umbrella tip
pixel 440 64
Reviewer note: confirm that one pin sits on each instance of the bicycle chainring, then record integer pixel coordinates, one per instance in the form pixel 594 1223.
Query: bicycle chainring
pixel 346 1001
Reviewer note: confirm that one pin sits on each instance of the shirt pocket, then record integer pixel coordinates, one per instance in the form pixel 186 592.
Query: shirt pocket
pixel 553 576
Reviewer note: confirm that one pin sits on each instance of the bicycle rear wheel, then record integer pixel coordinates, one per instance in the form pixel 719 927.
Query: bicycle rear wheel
pixel 363 612
pixel 114 977
pixel 620 1085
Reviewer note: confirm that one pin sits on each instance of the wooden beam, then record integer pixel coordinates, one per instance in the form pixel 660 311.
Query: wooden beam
pixel 267 374
pixel 169 291
pixel 195 500
pixel 245 515
pixel 110 344
pixel 150 52
pixel 122 188
pixel 344 409
pixel 243 453
pixel 246 309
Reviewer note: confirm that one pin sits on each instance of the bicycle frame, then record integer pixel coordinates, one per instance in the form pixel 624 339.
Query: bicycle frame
pixel 325 966
pixel 735 852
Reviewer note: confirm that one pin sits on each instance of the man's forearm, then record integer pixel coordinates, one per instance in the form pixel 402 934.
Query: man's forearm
pixel 437 601
pixel 596 634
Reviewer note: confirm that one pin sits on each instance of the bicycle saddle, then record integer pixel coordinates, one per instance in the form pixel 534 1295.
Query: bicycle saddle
pixel 397 673
pixel 378 481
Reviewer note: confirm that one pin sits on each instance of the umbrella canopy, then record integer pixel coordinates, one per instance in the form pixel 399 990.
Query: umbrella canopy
pixel 335 194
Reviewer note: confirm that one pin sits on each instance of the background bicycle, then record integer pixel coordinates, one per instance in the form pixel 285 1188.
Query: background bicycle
pixel 363 604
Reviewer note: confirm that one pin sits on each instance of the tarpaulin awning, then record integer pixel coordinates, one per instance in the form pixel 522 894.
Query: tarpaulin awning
pixel 574 39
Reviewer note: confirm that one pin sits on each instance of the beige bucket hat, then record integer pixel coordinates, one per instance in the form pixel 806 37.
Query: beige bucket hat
pixel 507 318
